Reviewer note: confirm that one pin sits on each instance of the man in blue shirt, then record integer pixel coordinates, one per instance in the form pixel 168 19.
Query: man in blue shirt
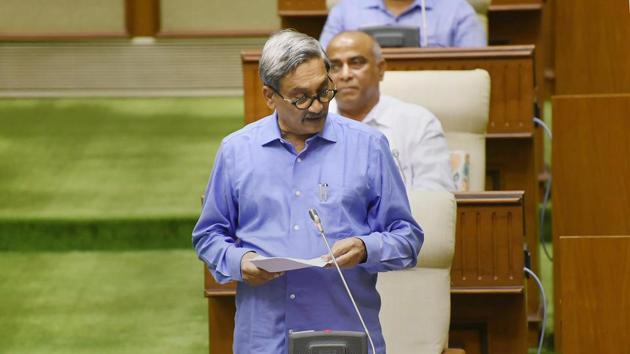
pixel 446 23
pixel 265 179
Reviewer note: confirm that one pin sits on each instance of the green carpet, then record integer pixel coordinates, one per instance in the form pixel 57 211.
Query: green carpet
pixel 88 167
pixel 546 277
pixel 102 302
pixel 101 234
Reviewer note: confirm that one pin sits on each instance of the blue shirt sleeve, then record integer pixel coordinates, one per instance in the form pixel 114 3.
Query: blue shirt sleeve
pixel 214 236
pixel 334 25
pixel 468 31
pixel 398 245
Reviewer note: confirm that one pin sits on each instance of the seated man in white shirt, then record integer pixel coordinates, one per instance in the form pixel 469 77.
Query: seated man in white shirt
pixel 415 135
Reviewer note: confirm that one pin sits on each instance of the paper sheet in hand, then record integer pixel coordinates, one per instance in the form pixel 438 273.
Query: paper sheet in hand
pixel 282 264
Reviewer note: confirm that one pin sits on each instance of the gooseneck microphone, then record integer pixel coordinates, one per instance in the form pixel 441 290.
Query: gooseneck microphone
pixel 318 225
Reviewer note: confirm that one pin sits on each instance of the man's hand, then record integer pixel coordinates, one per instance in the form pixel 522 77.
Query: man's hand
pixel 253 275
pixel 349 252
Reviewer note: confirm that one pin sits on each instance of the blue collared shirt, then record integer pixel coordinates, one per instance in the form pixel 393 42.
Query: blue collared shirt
pixel 257 200
pixel 450 23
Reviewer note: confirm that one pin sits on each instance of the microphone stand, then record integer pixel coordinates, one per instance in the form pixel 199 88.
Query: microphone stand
pixel 318 225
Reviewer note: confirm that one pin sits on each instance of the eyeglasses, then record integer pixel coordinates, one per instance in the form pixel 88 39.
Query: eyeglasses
pixel 305 102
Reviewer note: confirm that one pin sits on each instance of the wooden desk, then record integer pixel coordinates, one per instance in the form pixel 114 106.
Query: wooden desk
pixel 487 285
pixel 510 22
pixel 511 159
pixel 309 16
pixel 306 16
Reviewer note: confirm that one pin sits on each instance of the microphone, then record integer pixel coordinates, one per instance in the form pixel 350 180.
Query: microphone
pixel 316 220
pixel 318 225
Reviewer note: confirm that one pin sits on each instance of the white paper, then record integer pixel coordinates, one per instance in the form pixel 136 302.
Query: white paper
pixel 282 264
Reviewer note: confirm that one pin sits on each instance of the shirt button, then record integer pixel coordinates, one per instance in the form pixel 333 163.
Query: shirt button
pixel 296 227
pixel 298 193
pixel 299 159
pixel 292 296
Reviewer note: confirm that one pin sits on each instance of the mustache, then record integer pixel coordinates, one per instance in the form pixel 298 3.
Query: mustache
pixel 319 115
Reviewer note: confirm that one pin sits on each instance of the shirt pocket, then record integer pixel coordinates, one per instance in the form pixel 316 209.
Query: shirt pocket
pixel 339 208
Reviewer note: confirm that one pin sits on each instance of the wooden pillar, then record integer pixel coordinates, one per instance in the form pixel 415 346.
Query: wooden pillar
pixel 142 17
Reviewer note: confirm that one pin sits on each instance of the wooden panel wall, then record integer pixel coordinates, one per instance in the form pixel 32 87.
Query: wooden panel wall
pixel 591 167
pixel 595 273
pixel 591 198
pixel 592 50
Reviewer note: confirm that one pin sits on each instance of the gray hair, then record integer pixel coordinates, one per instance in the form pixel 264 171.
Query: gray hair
pixel 376 50
pixel 284 52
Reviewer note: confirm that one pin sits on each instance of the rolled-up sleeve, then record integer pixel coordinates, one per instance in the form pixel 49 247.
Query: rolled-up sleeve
pixel 468 30
pixel 214 237
pixel 334 24
pixel 397 239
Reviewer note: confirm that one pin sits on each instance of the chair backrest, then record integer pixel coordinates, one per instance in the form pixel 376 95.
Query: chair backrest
pixel 416 307
pixel 461 101
pixel 481 8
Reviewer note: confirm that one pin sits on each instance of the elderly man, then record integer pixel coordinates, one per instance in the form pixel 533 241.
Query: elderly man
pixel 441 23
pixel 265 179
pixel 415 135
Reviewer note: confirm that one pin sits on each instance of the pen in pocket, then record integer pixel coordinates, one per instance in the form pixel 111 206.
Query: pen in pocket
pixel 323 192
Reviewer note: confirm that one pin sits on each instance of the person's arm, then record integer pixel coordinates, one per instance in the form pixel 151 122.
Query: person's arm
pixel 398 239
pixel 334 25
pixel 214 236
pixel 468 31
pixel 429 155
